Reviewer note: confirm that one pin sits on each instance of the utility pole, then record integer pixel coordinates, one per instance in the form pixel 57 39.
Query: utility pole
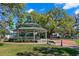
pixel 61 42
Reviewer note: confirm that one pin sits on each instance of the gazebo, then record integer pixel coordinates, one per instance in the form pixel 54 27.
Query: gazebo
pixel 31 30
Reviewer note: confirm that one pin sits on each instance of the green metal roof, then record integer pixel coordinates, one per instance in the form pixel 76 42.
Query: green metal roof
pixel 33 28
pixel 30 25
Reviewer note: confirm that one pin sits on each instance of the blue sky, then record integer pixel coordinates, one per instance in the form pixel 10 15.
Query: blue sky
pixel 70 8
pixel 40 7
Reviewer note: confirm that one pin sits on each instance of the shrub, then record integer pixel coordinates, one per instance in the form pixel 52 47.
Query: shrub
pixel 28 53
pixel 25 53
pixel 19 54
pixel 21 40
pixel 1 44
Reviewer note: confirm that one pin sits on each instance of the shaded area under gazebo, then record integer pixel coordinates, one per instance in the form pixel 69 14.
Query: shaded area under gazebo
pixel 31 31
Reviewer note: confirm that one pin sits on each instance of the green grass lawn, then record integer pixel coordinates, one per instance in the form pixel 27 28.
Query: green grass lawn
pixel 13 49
pixel 77 41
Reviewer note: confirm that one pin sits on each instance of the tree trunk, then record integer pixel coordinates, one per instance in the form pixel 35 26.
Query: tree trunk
pixel 2 38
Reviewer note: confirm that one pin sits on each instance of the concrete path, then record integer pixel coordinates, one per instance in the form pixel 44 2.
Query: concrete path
pixel 22 43
pixel 66 43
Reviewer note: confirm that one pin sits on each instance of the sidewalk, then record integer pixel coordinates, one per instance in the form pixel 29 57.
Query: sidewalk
pixel 66 43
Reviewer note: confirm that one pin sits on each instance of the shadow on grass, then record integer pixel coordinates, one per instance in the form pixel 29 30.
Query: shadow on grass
pixel 57 51
pixel 47 51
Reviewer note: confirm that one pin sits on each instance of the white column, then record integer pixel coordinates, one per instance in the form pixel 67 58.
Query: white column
pixel 39 36
pixel 34 36
pixel 46 36
pixel 18 34
pixel 25 36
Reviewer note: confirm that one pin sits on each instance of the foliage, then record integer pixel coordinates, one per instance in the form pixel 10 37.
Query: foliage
pixel 49 51
pixel 1 44
pixel 55 20
pixel 21 40
pixel 61 22
pixel 57 51
pixel 57 13
pixel 41 19
pixel 21 19
pixel 9 12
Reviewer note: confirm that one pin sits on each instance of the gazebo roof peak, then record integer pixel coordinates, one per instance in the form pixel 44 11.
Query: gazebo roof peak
pixel 29 24
pixel 29 20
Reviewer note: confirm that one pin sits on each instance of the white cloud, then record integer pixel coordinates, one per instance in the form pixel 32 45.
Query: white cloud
pixel 70 5
pixel 77 11
pixel 30 10
pixel 58 3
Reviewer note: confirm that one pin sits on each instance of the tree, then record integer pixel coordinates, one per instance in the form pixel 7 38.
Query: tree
pixel 51 26
pixel 41 19
pixel 67 25
pixel 76 25
pixel 55 16
pixel 21 19
pixel 63 22
pixel 57 13
pixel 60 22
pixel 8 11
pixel 3 30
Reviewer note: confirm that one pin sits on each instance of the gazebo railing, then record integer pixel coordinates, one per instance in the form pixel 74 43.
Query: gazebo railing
pixel 30 37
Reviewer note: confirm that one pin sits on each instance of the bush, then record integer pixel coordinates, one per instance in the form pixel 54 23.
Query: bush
pixel 26 54
pixel 1 44
pixel 11 40
pixel 21 40
pixel 19 54
pixel 57 51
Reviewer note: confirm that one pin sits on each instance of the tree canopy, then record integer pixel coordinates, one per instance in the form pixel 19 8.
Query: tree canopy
pixel 55 20
pixel 9 11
